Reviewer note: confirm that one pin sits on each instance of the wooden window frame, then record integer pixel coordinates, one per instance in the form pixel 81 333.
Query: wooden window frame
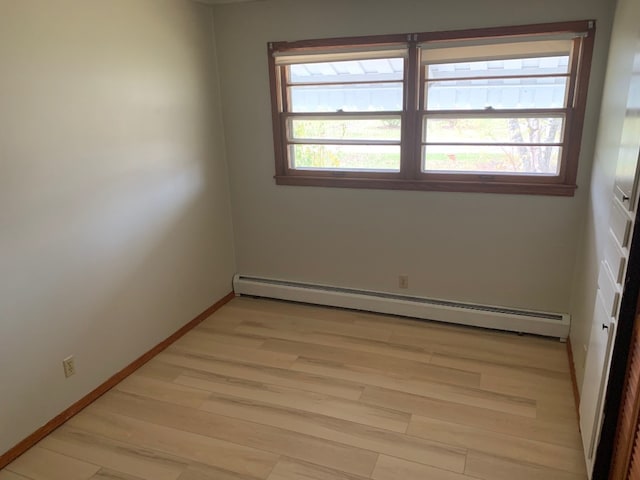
pixel 410 176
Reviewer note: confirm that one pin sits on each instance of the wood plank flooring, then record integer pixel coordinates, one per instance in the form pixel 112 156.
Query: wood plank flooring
pixel 279 391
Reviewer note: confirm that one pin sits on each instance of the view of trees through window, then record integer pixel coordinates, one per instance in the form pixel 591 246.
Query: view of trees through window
pixel 521 145
pixel 351 157
pixel 474 140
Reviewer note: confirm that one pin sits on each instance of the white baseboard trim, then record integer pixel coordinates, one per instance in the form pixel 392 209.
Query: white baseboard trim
pixel 486 316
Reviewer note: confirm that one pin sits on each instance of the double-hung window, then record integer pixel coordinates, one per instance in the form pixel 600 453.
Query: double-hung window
pixel 492 110
pixel 344 115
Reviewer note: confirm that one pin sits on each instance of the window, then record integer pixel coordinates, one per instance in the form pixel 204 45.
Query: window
pixel 493 110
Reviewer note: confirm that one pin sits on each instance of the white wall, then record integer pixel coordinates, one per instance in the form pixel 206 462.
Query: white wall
pixel 593 237
pixel 115 225
pixel 497 249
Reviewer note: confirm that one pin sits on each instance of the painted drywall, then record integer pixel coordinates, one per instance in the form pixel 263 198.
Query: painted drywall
pixel 596 223
pixel 115 221
pixel 506 250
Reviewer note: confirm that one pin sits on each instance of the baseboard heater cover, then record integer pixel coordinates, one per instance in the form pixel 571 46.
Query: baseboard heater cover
pixel 486 316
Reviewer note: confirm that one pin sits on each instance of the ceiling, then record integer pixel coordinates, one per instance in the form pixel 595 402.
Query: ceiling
pixel 220 2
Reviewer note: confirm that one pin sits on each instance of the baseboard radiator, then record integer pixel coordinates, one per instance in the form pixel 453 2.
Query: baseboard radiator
pixel 486 316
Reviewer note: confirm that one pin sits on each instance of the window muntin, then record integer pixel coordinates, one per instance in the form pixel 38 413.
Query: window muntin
pixel 497 110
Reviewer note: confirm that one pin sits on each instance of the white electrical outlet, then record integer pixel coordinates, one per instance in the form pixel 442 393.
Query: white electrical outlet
pixel 403 281
pixel 69 365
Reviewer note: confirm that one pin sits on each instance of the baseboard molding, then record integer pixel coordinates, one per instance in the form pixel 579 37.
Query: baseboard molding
pixel 35 437
pixel 574 379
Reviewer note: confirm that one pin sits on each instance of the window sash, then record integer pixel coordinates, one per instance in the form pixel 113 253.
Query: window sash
pixel 469 51
pixel 329 142
pixel 498 176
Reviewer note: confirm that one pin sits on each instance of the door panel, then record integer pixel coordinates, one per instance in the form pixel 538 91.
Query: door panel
pixel 608 288
pixel 615 257
pixel 592 388
pixel 620 223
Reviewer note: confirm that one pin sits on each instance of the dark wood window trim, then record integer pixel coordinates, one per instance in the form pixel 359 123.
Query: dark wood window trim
pixel 410 176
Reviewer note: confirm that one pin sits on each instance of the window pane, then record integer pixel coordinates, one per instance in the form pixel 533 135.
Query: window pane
pixel 387 129
pixel 348 71
pixel 380 97
pixel 493 159
pixel 493 130
pixel 513 93
pixel 497 68
pixel 345 157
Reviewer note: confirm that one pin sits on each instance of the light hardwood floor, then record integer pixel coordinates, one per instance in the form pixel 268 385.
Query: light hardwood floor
pixel 280 391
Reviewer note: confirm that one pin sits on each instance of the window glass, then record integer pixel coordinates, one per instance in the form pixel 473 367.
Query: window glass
pixel 518 67
pixel 340 142
pixel 518 83
pixel 545 130
pixel 382 129
pixel 345 157
pixel 497 159
pixel 513 93
pixel 359 97
pixel 380 69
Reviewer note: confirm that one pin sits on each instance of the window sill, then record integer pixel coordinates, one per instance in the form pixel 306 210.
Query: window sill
pixel 559 190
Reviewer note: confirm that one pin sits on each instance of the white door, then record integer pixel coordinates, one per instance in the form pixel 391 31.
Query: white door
pixel 595 378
